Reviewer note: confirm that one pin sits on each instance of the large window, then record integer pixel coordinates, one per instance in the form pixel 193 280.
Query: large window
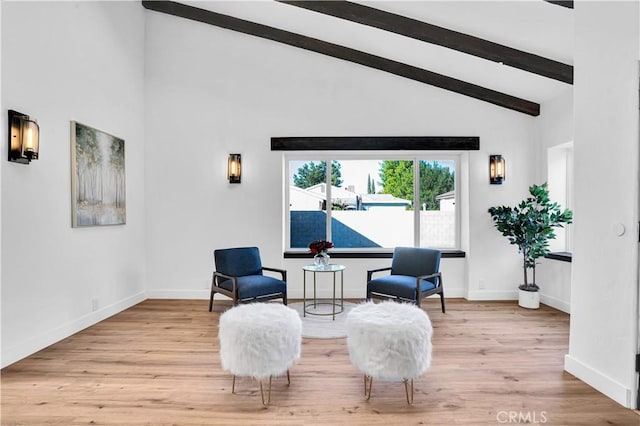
pixel 372 203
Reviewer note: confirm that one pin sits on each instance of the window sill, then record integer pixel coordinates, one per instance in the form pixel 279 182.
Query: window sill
pixel 563 256
pixel 364 254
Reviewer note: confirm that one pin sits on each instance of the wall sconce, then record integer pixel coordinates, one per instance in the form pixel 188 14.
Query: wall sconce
pixel 24 135
pixel 234 168
pixel 497 170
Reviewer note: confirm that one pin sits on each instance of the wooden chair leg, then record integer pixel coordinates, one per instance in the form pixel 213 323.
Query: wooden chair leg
pixel 288 378
pixel 211 301
pixel 442 302
pixel 233 384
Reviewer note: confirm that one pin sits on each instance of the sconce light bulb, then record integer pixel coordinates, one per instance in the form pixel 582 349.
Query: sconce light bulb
pixel 28 144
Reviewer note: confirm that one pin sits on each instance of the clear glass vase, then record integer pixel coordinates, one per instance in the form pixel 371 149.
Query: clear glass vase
pixel 321 259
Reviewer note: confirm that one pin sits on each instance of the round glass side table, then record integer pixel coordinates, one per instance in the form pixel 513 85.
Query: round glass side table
pixel 337 305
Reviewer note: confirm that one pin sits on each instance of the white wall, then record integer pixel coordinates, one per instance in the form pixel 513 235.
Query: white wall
pixel 560 180
pixel 554 279
pixel 554 127
pixel 210 92
pixel 604 288
pixel 65 61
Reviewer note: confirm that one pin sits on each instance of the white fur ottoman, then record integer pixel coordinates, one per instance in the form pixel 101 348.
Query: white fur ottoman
pixel 389 341
pixel 259 340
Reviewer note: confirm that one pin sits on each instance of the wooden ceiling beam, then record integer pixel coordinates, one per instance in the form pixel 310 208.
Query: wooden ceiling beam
pixel 433 34
pixel 375 143
pixel 563 3
pixel 345 53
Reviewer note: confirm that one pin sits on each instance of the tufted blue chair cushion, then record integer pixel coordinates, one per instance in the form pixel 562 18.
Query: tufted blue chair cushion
pixel 251 286
pixel 399 285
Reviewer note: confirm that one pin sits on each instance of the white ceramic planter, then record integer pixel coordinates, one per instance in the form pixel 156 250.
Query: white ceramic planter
pixel 529 299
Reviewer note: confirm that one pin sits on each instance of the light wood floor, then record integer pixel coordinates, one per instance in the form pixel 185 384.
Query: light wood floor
pixel 158 363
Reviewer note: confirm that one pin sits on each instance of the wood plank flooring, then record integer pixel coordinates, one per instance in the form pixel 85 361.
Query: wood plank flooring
pixel 157 363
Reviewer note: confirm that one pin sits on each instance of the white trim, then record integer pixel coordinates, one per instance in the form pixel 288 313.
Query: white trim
pixel 182 294
pixel 329 202
pixel 492 295
pixel 416 202
pixel 292 293
pixel 36 343
pixel 452 293
pixel 286 238
pixel 602 383
pixel 556 303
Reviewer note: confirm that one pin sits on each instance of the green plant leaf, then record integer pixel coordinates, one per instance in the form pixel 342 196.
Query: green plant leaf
pixel 530 224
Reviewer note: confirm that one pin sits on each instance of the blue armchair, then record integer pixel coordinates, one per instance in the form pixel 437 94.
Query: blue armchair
pixel 239 276
pixel 415 274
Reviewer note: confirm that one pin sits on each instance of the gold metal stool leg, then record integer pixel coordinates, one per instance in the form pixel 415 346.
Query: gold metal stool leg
pixel 233 388
pixel 406 391
pixel 262 393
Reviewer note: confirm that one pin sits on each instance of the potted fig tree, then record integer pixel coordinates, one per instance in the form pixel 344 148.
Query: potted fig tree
pixel 530 225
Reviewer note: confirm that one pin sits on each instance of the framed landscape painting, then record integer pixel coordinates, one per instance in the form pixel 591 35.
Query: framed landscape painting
pixel 97 177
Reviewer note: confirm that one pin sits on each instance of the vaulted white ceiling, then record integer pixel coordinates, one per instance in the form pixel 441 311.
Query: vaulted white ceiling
pixel 533 26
